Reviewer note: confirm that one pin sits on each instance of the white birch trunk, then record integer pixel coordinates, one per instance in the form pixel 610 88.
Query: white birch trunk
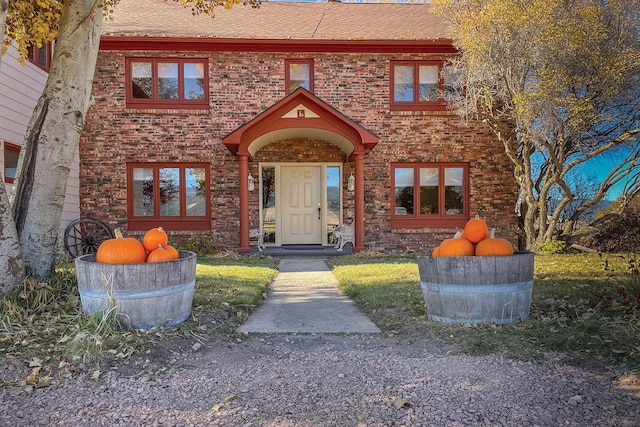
pixel 11 265
pixel 4 7
pixel 53 135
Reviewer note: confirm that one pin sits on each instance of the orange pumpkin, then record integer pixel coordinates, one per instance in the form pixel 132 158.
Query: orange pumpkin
pixel 173 251
pixel 154 237
pixel 160 254
pixel 458 246
pixel 475 230
pixel 436 251
pixel 121 250
pixel 494 246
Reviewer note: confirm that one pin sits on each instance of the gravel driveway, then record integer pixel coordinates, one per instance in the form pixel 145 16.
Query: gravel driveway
pixel 323 380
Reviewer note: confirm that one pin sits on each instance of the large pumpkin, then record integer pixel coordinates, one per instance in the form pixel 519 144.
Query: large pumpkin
pixel 494 246
pixel 458 246
pixel 154 237
pixel 475 230
pixel 121 250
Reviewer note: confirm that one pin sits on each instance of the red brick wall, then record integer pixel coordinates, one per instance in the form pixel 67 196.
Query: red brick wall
pixel 243 85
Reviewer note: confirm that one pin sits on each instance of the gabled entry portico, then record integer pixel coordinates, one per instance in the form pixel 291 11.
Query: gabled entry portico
pixel 300 115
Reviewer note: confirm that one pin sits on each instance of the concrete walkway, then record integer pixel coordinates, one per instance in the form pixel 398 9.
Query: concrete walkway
pixel 304 297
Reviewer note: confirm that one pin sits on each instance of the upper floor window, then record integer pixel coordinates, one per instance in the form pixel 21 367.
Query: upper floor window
pixel 41 56
pixel 426 194
pixel 419 85
pixel 167 83
pixel 299 73
pixel 11 153
pixel 172 195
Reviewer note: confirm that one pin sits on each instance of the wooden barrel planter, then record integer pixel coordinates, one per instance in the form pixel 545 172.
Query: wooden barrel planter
pixel 477 289
pixel 145 295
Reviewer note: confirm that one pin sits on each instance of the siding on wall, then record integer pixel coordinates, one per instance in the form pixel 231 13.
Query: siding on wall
pixel 71 208
pixel 242 85
pixel 20 89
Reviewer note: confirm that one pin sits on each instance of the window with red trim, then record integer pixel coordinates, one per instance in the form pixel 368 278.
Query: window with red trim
pixel 167 83
pixel 11 153
pixel 429 194
pixel 299 73
pixel 171 195
pixel 420 85
pixel 41 56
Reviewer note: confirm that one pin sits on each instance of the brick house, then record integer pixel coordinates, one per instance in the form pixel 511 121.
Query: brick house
pixel 292 118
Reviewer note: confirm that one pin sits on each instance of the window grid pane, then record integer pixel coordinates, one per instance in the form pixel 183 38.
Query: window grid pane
pixel 167 80
pixel 403 83
pixel 195 191
pixel 404 191
pixel 429 178
pixel 333 201
pixel 143 191
pixel 194 81
pixel 10 162
pixel 299 76
pixel 169 192
pixel 141 80
pixel 268 188
pixel 453 191
pixel 42 57
pixel 428 77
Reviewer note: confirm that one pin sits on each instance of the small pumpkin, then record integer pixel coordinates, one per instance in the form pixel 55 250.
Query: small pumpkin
pixel 475 230
pixel 121 250
pixel 494 246
pixel 436 251
pixel 173 251
pixel 457 246
pixel 154 237
pixel 160 254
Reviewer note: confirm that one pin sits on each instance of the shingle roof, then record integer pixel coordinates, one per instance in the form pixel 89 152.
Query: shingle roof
pixel 279 21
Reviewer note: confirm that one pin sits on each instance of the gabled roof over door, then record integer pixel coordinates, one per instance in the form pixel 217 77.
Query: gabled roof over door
pixel 300 115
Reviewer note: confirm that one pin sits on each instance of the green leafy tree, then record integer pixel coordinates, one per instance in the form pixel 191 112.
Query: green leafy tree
pixel 558 82
pixel 53 133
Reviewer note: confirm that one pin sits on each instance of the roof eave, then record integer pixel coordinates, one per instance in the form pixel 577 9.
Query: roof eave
pixel 196 44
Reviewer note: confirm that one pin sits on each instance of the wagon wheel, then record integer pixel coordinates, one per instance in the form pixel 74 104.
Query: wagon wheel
pixel 83 236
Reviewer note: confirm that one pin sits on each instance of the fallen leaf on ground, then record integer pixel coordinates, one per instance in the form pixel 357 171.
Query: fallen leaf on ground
pixel 401 403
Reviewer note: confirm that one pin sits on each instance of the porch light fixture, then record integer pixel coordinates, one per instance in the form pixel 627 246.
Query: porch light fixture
pixel 351 183
pixel 252 183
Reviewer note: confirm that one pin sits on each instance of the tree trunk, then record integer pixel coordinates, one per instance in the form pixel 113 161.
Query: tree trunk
pixel 4 7
pixel 11 265
pixel 53 135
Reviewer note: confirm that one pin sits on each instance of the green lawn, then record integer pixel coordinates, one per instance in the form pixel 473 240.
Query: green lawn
pixel 584 306
pixel 578 307
pixel 238 283
pixel 42 323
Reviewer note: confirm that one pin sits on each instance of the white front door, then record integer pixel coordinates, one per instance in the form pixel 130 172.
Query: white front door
pixel 301 204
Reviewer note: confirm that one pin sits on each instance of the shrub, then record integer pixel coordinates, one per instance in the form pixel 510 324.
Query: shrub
pixel 622 234
pixel 625 300
pixel 201 245
pixel 554 246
